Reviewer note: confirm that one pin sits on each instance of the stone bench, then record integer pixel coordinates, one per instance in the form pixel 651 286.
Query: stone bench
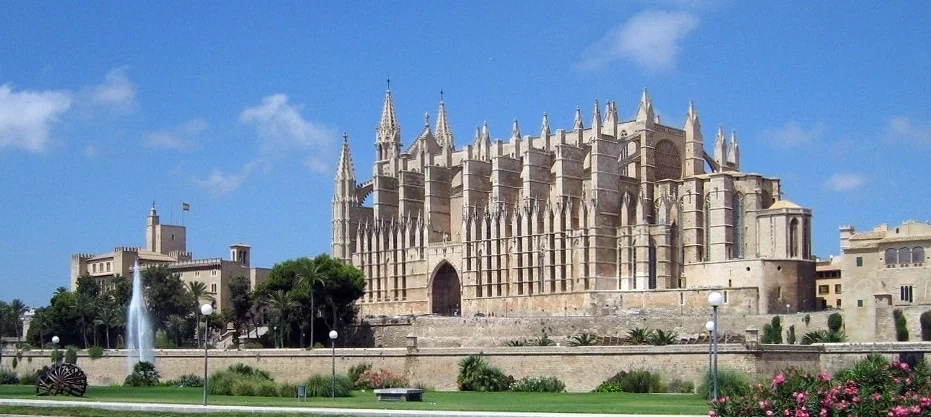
pixel 399 394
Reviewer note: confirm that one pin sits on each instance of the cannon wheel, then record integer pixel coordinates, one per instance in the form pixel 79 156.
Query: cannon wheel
pixel 64 379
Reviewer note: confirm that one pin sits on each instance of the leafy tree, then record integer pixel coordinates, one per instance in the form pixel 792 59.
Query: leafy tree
pixel 925 320
pixel 120 289
pixel 835 322
pixel 280 304
pixel 198 292
pixel 772 332
pixel 85 307
pixel 58 319
pixel 89 286
pixel 901 327
pixel 790 335
pixel 7 320
pixel 166 291
pixel 177 327
pixel 108 316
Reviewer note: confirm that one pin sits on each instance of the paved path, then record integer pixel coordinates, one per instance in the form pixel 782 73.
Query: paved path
pixel 198 409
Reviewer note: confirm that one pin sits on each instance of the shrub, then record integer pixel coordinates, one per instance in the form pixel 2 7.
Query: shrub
pixel 320 386
pixel 679 386
pixel 476 375
pixel 29 378
pixel 538 384
pixel 611 384
pixel 144 375
pixel 287 389
pixel 71 355
pixel 662 337
pixel 247 370
pixel 8 377
pixel 189 380
pixel 790 335
pixel 835 322
pixel 807 319
pixel 14 362
pixel 925 320
pixel 772 332
pixel 95 352
pixel 639 335
pixel 901 327
pixel 516 343
pixel 355 371
pixel 242 380
pixel 824 336
pixel 267 389
pixel 634 381
pixel 382 378
pixel 56 356
pixel 730 383
pixel 544 340
pixel 584 339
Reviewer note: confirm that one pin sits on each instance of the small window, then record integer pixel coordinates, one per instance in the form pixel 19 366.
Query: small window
pixel 213 273
pixel 108 266
pixel 838 303
pixel 860 263
pixel 891 256
pixel 859 303
pixel 725 297
pixel 905 255
pixel 94 267
pixel 905 293
pixel 836 288
pixel 196 273
pixel 213 288
pixel 824 289
pixel 918 255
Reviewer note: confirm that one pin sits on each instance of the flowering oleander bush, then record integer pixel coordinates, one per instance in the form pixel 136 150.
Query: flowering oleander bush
pixel 873 387
pixel 382 378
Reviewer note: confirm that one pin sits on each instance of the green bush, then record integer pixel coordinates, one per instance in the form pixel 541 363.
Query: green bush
pixel 244 388
pixel 355 371
pixel 730 383
pixel 662 337
pixel 95 352
pixel 28 378
pixel 14 362
pixel 634 381
pixel 925 320
pixel 8 377
pixel 824 336
pixel 772 332
pixel 71 355
pixel 835 322
pixel 56 356
pixel 267 389
pixel 680 387
pixel 320 386
pixel 243 380
pixel 287 389
pixel 538 384
pixel 247 370
pixel 901 327
pixel 639 335
pixel 790 335
pixel 189 380
pixel 476 375
pixel 144 375
pixel 516 343
pixel 871 373
pixel 544 340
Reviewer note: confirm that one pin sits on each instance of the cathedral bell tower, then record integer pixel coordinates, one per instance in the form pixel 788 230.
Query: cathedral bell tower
pixel 344 200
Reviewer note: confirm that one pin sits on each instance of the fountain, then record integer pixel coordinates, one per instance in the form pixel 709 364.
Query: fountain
pixel 139 338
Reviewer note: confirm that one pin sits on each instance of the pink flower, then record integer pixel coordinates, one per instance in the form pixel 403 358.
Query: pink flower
pixel 876 396
pixel 823 377
pixel 779 380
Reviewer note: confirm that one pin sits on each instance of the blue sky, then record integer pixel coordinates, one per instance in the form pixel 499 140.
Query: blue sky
pixel 238 109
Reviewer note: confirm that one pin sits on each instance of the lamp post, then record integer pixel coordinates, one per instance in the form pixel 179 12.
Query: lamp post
pixel 709 326
pixel 55 356
pixel 206 310
pixel 715 299
pixel 333 336
pixel 787 308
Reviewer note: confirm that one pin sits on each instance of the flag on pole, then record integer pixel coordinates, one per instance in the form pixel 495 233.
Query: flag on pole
pixel 185 207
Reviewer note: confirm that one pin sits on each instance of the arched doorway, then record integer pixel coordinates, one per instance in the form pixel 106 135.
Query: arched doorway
pixel 446 291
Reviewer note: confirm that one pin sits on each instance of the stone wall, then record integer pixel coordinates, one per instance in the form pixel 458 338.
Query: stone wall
pixel 497 331
pixel 581 368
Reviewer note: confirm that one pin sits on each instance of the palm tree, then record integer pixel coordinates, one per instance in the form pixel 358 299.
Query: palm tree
pixel 108 315
pixel 174 327
pixel 306 280
pixel 280 302
pixel 199 292
pixel 84 304
pixel 18 310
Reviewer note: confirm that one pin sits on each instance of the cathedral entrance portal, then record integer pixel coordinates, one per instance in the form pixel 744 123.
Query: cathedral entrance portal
pixel 446 291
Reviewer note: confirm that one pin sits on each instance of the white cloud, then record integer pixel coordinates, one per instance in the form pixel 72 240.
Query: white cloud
pixel 116 90
pixel 26 117
pixel 281 127
pixel 220 183
pixel 90 151
pixel 793 134
pixel 180 137
pixel 902 127
pixel 845 181
pixel 650 39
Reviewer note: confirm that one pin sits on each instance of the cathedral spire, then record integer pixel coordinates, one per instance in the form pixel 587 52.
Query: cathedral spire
pixel 486 136
pixel 545 126
pixel 577 124
pixel 388 128
pixel 596 120
pixel 733 151
pixel 515 130
pixel 720 148
pixel 645 110
pixel 694 143
pixel 345 170
pixel 442 133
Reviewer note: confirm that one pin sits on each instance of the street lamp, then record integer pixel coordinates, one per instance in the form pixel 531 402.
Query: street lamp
pixel 333 336
pixel 206 310
pixel 787 308
pixel 709 326
pixel 55 356
pixel 715 299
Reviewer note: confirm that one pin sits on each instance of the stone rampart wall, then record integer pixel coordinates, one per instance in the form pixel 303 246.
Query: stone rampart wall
pixel 581 368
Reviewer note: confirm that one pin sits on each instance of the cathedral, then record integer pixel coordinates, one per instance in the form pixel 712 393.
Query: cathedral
pixel 618 215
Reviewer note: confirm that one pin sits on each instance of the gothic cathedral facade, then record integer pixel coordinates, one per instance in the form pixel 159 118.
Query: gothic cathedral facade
pixel 616 215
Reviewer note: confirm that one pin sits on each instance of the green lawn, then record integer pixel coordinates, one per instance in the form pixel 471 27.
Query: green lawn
pixel 473 401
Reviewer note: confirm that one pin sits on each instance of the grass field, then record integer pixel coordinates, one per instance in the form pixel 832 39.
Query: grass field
pixel 621 403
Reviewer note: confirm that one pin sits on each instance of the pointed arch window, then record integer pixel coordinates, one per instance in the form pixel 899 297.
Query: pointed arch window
pixel 706 219
pixel 739 228
pixel 918 255
pixel 793 238
pixel 905 255
pixel 651 284
pixel 891 256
